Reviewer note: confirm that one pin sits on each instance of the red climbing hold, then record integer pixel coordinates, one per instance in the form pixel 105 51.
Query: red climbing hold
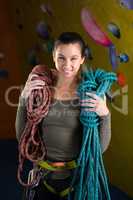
pixel 121 79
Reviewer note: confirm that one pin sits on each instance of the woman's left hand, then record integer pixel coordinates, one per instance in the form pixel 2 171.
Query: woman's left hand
pixel 96 104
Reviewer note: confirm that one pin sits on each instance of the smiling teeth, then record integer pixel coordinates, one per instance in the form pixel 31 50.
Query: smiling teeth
pixel 67 70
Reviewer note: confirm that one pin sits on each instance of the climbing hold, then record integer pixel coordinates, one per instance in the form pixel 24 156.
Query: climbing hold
pixel 121 79
pixel 127 4
pixel 46 8
pixel 123 57
pixel 43 30
pixel 95 32
pixel 114 29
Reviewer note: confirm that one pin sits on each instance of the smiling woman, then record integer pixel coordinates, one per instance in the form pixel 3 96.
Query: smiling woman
pixel 53 143
pixel 68 59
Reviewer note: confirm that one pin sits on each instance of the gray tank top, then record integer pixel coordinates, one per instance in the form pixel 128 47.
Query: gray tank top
pixel 61 130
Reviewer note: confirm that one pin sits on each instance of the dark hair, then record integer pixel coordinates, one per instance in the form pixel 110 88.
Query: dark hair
pixel 71 38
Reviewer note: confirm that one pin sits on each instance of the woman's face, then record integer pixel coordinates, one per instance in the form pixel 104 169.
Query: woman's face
pixel 68 58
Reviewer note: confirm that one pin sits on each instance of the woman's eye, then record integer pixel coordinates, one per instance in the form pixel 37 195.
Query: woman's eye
pixel 74 58
pixel 61 58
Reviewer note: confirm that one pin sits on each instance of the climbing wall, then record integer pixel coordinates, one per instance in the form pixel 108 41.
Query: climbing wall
pixel 10 72
pixel 37 24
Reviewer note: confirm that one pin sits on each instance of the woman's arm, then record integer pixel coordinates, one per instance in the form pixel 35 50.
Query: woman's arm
pixel 30 85
pixel 105 131
pixel 21 118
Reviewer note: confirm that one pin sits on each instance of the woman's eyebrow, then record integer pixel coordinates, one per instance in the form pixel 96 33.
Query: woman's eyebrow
pixel 75 56
pixel 60 54
pixel 64 55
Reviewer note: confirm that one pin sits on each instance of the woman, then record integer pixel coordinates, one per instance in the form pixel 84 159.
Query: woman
pixel 60 129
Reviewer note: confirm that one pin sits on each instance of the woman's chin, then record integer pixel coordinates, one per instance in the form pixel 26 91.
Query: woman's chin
pixel 68 74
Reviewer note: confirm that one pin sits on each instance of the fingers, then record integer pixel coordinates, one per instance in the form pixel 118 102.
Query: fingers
pixel 95 104
pixel 88 100
pixel 32 76
pixel 35 88
pixel 36 82
pixel 89 104
pixel 90 109
pixel 94 96
pixel 32 85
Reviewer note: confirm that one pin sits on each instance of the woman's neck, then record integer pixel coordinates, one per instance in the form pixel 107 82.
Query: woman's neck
pixel 66 83
pixel 65 88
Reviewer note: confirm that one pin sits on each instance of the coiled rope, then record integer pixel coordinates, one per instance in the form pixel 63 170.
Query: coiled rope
pixel 90 181
pixel 31 146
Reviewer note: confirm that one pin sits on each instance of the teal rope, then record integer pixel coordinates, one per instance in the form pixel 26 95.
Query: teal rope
pixel 92 181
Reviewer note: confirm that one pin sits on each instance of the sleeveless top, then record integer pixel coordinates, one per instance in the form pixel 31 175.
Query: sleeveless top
pixel 61 130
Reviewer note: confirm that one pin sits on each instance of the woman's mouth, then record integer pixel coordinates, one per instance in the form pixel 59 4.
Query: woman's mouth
pixel 67 71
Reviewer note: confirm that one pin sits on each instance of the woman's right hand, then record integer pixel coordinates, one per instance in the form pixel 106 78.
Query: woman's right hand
pixel 31 85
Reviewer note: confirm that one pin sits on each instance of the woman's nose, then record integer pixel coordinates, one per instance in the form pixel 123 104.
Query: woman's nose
pixel 67 63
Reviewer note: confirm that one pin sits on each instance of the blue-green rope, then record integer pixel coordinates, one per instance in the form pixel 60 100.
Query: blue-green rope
pixel 92 181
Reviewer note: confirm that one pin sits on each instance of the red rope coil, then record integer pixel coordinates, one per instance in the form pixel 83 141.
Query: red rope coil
pixel 31 146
